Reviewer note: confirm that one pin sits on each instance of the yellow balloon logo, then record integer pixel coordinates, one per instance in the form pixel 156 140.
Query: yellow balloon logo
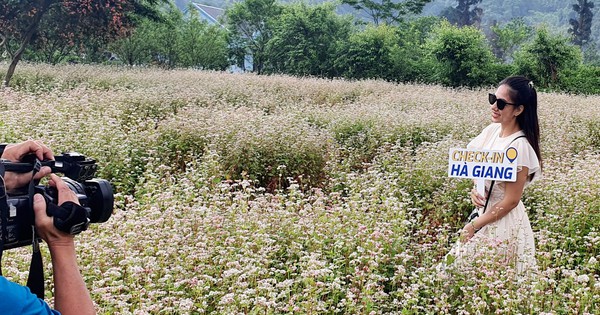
pixel 511 154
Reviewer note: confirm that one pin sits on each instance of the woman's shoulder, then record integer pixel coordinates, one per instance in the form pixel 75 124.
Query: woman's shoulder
pixel 491 128
pixel 484 136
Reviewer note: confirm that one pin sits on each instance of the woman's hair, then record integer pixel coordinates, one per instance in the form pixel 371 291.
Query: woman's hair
pixel 523 92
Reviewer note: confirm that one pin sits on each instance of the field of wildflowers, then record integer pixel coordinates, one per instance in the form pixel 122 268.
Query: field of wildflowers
pixel 244 194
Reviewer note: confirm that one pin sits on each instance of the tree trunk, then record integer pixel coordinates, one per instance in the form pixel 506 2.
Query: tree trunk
pixel 26 40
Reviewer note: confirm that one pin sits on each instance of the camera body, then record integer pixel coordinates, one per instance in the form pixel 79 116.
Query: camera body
pixel 95 196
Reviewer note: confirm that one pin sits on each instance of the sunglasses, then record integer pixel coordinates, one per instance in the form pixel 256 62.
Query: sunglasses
pixel 500 103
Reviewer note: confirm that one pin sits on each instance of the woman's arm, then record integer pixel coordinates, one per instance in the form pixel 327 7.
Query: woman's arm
pixel 513 191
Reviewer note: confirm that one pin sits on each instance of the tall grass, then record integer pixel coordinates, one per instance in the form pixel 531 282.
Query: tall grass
pixel 244 194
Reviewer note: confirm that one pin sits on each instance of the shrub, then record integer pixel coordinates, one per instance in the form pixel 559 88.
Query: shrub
pixel 584 79
pixel 546 57
pixel 463 55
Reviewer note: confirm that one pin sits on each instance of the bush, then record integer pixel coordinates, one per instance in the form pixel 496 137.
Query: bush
pixel 272 159
pixel 463 56
pixel 584 79
pixel 368 54
pixel 546 57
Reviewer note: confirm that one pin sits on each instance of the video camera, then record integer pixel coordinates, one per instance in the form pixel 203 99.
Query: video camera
pixel 95 196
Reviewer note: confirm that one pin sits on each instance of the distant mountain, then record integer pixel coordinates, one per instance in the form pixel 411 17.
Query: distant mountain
pixel 182 4
pixel 554 13
pixel 223 4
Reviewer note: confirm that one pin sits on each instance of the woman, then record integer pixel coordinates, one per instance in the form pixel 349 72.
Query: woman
pixel 504 225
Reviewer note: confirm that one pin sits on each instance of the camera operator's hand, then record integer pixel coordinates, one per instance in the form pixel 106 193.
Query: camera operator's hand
pixel 44 223
pixel 70 293
pixel 16 152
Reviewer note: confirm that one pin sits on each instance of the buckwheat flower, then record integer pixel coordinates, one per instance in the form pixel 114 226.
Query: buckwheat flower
pixel 186 305
pixel 227 299
pixel 568 273
pixel 583 279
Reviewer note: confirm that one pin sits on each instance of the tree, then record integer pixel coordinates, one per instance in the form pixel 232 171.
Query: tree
pixel 136 47
pixel 250 26
pixel 412 61
pixel 466 13
pixel 369 54
pixel 546 57
pixel 581 27
pixel 65 22
pixel 202 45
pixel 19 21
pixel 506 39
pixel 176 40
pixel 463 55
pixel 306 39
pixel 388 11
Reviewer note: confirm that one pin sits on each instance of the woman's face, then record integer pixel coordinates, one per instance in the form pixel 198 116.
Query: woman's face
pixel 510 112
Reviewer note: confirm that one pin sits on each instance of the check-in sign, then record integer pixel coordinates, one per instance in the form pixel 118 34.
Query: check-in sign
pixel 495 165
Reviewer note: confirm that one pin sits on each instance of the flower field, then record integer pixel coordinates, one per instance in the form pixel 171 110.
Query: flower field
pixel 244 194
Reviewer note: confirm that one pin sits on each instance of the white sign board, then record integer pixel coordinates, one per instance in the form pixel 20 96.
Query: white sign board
pixel 480 165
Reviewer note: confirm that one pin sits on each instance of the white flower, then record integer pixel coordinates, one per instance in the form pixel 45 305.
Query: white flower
pixel 583 279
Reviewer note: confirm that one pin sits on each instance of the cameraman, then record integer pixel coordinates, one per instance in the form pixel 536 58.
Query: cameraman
pixel 71 294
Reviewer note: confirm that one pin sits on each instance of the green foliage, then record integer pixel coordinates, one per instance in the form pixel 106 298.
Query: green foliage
pixel 506 39
pixel 546 57
pixel 313 40
pixel 463 54
pixel 591 55
pixel 386 11
pixel 178 147
pixel 175 41
pixel 250 26
pixel 412 61
pixel 584 79
pixel 136 48
pixel 305 40
pixel 202 45
pixel 358 140
pixel 369 54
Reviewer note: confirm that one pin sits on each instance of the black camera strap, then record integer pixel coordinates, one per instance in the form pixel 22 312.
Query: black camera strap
pixel 3 213
pixel 35 280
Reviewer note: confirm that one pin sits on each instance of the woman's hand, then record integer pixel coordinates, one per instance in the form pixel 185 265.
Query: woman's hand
pixel 467 232
pixel 477 199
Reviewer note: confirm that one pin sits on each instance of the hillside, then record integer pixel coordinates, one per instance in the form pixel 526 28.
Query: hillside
pixel 554 13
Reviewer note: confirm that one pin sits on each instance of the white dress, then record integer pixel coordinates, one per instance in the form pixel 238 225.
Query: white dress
pixel 510 238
